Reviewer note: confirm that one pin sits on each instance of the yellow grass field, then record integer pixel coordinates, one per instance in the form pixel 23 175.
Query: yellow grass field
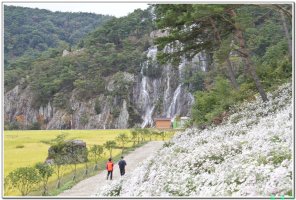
pixel 34 150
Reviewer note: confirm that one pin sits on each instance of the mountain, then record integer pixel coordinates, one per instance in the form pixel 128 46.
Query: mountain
pixel 123 101
pixel 249 154
pixel 31 31
pixel 112 80
pixel 115 76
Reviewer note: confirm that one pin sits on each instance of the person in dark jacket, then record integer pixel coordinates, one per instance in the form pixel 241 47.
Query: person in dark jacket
pixel 122 165
pixel 109 167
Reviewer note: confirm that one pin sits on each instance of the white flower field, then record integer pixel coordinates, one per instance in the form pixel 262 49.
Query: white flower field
pixel 249 154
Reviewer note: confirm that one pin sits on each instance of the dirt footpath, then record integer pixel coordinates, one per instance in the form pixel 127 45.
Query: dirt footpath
pixel 90 186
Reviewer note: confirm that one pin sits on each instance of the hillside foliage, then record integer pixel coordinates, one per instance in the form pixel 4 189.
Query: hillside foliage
pixel 28 31
pixel 247 49
pixel 249 46
pixel 116 46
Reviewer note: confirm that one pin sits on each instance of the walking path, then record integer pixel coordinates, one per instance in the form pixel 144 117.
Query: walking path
pixel 90 186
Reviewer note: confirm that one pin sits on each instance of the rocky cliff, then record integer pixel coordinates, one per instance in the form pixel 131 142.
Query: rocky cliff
pixel 157 91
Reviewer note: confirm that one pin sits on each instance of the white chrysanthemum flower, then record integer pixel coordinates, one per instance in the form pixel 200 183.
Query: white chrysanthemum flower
pixel 250 154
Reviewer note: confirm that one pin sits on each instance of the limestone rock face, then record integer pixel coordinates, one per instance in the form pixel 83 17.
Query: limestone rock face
pixel 122 121
pixel 128 100
pixel 18 102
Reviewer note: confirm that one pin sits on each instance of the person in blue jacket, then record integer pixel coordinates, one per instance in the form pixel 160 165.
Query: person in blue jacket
pixel 122 165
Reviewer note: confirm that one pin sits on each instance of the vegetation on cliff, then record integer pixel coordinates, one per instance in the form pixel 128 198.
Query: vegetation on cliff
pixel 250 45
pixel 28 32
pixel 115 47
pixel 247 48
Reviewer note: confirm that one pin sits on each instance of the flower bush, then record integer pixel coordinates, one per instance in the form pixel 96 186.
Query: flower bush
pixel 250 154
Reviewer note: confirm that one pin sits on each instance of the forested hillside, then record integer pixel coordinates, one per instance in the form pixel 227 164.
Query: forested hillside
pixel 112 52
pixel 167 61
pixel 249 46
pixel 117 46
pixel 28 31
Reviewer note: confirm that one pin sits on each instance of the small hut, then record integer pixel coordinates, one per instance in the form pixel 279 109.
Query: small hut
pixel 163 123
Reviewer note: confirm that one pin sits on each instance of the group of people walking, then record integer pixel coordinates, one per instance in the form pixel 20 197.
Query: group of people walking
pixel 110 166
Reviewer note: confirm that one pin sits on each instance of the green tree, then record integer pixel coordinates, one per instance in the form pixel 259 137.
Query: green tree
pixel 139 134
pixel 213 103
pixel 59 168
pixel 177 18
pixel 109 145
pixel 59 160
pixel 76 156
pixel 96 152
pixel 45 171
pixel 24 179
pixel 122 138
pixel 134 137
pixel 244 51
pixel 86 162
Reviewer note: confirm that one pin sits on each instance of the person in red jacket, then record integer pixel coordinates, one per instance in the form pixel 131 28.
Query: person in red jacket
pixel 109 167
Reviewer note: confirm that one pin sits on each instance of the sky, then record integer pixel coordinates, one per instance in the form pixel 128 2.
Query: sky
pixel 114 9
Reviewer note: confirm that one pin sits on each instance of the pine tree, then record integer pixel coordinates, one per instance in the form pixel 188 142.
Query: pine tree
pixel 192 28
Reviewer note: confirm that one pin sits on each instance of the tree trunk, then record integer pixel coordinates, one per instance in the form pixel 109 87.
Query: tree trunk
pixel 74 176
pixel 230 71
pixel 59 176
pixel 285 27
pixel 231 74
pixel 86 169
pixel 246 56
pixel 96 167
pixel 59 183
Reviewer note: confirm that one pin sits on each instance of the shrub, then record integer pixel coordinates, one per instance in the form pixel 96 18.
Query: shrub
pixel 34 126
pixel 210 104
pixel 60 100
pixel 7 185
pixel 24 179
pixel 84 119
pixel 168 144
pixel 153 69
pixel 115 112
pixel 13 126
pixel 98 106
pixel 279 157
pixel 87 88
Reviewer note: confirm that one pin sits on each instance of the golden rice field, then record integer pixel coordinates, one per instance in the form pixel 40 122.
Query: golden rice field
pixel 34 150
